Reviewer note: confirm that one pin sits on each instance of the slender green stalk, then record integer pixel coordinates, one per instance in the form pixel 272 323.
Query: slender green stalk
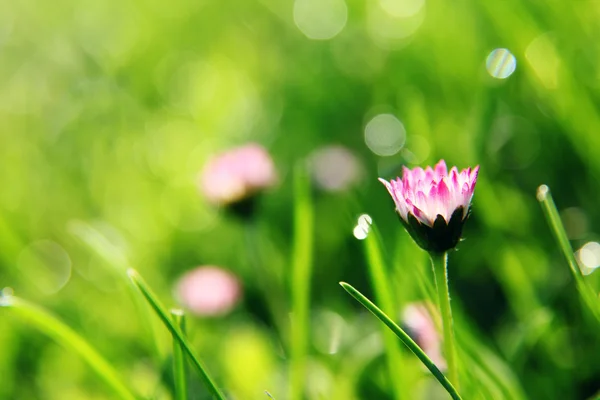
pixel 404 337
pixel 440 269
pixel 178 335
pixel 551 213
pixel 179 370
pixel 300 286
pixel 63 334
pixel 383 295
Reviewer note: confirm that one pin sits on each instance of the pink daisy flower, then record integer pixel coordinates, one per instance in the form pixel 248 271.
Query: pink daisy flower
pixel 433 204
pixel 238 174
pixel 421 326
pixel 208 291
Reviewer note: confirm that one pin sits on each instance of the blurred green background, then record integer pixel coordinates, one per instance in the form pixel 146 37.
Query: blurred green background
pixel 110 109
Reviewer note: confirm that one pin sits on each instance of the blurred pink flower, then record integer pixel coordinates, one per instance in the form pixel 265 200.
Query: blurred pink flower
pixel 335 168
pixel 208 291
pixel 237 174
pixel 422 328
pixel 434 204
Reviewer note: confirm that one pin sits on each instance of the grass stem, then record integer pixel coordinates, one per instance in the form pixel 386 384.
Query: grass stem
pixel 552 216
pixel 302 259
pixel 178 335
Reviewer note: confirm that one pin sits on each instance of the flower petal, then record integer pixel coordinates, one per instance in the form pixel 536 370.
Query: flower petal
pixel 444 200
pixel 440 169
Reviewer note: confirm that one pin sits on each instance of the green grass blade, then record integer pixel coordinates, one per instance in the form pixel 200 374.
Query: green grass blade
pixel 178 335
pixel 67 337
pixel 551 213
pixel 179 370
pixel 383 295
pixel 404 337
pixel 302 260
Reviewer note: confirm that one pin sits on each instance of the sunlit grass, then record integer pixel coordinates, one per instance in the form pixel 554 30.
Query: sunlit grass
pixel 111 109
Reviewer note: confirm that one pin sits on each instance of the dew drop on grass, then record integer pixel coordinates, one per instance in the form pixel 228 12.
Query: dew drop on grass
pixel 360 233
pixel 542 192
pixel 365 221
pixel 177 311
pixel 501 63
pixel 361 230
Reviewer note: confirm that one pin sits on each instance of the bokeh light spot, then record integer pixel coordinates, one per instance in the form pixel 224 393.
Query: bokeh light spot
pixel 320 19
pixel 335 168
pixel 385 135
pixel 390 24
pixel 46 265
pixel 588 257
pixel 501 63
pixel 402 8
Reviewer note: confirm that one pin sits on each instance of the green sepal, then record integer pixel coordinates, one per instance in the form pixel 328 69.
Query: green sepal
pixel 439 238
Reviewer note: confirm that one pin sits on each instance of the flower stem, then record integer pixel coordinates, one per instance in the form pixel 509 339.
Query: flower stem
pixel 440 269
pixel 404 337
